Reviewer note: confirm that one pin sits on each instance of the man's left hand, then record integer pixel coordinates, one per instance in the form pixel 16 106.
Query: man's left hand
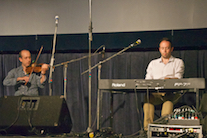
pixel 44 68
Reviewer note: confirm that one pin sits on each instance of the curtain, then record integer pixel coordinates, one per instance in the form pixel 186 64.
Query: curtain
pixel 129 65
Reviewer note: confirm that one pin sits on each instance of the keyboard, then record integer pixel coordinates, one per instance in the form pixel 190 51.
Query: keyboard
pixel 186 83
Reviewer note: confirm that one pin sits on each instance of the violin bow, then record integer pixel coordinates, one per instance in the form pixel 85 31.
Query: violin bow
pixel 35 62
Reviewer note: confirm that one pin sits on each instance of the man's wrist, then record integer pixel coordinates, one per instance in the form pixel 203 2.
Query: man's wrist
pixel 43 73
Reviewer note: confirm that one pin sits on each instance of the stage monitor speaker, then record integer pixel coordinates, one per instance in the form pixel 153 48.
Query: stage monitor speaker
pixel 203 110
pixel 203 103
pixel 41 115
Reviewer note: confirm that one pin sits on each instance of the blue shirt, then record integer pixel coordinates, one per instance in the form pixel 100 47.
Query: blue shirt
pixel 31 89
pixel 158 70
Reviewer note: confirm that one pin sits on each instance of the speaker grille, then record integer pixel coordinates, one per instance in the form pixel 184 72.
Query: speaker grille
pixel 44 113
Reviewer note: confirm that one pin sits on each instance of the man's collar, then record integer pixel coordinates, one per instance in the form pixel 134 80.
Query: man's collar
pixel 170 59
pixel 21 67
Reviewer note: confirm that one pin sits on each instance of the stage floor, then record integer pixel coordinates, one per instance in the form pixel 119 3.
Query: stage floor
pixel 76 135
pixel 96 135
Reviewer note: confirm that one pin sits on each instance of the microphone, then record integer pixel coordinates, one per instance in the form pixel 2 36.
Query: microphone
pixel 103 52
pixel 136 43
pixel 56 19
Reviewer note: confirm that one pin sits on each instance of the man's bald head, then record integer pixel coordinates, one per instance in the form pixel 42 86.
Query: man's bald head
pixel 25 58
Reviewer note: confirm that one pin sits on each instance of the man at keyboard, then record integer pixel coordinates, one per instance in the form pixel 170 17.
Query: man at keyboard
pixel 165 67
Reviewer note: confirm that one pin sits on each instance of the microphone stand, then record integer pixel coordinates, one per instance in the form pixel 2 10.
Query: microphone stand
pixel 99 98
pixel 66 66
pixel 89 129
pixel 52 57
pixel 65 79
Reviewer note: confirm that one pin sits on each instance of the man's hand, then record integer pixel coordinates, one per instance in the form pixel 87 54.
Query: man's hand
pixel 44 68
pixel 25 78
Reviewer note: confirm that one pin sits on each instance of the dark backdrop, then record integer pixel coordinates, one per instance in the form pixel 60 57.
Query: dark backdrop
pixel 129 65
pixel 182 39
pixel 190 45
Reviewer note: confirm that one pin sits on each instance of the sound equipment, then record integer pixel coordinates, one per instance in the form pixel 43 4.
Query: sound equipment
pixel 184 115
pixel 28 115
pixel 177 131
pixel 142 85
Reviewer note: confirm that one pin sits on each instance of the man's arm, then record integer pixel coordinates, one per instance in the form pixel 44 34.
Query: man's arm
pixel 43 72
pixel 149 72
pixel 42 79
pixel 10 79
pixel 25 78
pixel 179 69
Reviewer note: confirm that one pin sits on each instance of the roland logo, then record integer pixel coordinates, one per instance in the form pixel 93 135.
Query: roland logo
pixel 178 84
pixel 118 84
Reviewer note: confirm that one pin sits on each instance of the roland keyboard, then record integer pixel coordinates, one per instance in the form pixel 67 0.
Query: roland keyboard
pixel 187 83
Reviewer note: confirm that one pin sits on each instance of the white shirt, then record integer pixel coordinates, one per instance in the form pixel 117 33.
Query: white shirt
pixel 158 70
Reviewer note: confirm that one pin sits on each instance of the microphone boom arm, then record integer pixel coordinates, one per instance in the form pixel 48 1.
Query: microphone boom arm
pixel 109 58
pixel 73 60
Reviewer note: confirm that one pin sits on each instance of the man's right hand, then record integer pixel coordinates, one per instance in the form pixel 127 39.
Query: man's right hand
pixel 25 78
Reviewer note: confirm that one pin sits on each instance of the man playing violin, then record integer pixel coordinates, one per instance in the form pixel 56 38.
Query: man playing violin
pixel 26 84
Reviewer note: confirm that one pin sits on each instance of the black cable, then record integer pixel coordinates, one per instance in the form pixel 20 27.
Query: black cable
pixel 17 117
pixel 175 101
pixel 29 112
pixel 180 135
pixel 137 108
pixel 148 103
pixel 141 132
pixel 162 120
pixel 94 122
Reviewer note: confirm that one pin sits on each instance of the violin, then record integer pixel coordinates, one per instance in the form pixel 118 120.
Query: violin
pixel 34 67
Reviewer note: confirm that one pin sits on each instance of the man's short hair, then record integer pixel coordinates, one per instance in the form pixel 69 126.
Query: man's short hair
pixel 20 53
pixel 166 39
